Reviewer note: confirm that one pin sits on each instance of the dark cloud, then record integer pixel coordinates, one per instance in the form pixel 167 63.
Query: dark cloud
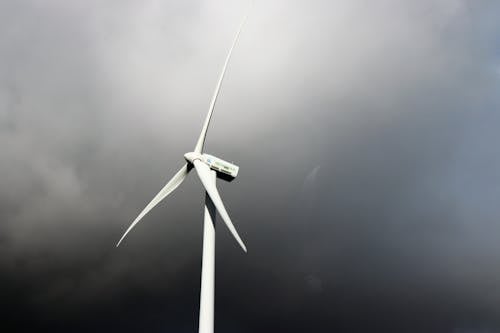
pixel 366 133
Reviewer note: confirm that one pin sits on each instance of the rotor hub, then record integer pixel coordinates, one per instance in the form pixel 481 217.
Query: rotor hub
pixel 192 156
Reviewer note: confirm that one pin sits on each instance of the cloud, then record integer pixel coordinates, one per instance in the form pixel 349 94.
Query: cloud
pixel 366 136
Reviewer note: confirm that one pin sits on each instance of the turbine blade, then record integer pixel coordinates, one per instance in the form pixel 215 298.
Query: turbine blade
pixel 166 190
pixel 201 140
pixel 206 179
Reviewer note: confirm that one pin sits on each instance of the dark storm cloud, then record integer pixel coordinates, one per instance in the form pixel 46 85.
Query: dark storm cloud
pixel 367 138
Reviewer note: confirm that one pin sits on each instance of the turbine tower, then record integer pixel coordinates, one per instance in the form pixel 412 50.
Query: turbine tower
pixel 208 168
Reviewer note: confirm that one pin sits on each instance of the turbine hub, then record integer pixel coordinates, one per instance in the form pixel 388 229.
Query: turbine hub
pixel 192 156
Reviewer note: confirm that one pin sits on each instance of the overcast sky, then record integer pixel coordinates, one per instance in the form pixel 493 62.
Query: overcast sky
pixel 367 138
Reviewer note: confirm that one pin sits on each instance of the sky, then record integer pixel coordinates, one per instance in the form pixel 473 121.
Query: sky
pixel 367 138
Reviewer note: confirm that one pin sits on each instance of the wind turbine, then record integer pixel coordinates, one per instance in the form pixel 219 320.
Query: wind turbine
pixel 208 168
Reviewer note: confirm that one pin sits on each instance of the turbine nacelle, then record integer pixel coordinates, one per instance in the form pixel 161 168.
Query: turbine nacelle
pixel 225 170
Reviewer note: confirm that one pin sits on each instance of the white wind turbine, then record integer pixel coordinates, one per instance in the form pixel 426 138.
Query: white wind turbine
pixel 208 168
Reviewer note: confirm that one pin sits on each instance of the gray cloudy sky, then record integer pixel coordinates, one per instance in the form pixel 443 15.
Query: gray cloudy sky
pixel 367 137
